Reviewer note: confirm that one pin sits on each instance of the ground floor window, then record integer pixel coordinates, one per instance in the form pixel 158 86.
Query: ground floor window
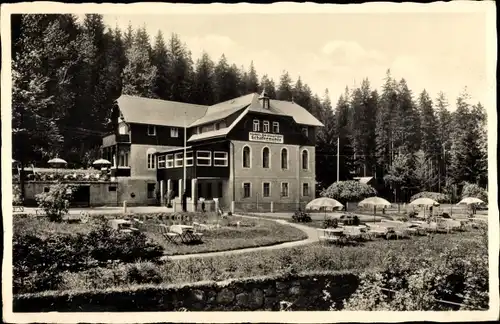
pixel 284 189
pixel 305 189
pixel 123 159
pixel 266 189
pixel 151 190
pixel 161 162
pixel 246 190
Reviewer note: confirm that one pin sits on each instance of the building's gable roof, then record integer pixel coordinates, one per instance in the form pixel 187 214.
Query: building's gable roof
pixel 299 113
pixel 171 113
pixel 158 112
pixel 219 132
pixel 224 109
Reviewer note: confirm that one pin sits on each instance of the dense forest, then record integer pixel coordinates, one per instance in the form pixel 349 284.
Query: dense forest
pixel 67 75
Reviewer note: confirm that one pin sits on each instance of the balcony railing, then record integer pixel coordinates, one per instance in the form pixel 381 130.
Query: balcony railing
pixel 112 139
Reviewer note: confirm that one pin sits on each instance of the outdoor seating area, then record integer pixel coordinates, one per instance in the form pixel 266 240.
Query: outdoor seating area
pixel 176 234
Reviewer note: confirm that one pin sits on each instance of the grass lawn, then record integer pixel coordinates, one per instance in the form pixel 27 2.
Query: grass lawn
pixel 251 233
pixel 315 257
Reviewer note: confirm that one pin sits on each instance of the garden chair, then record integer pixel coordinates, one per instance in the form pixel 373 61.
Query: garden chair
pixel 169 236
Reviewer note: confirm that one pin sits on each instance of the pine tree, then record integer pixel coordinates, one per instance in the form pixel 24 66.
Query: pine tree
pixel 407 124
pixel 385 125
pixel 268 85
pixel 364 108
pixel 285 89
pixel 161 83
pixel 180 70
pixel 203 87
pixel 139 73
pixel 252 81
pixel 129 37
pixel 326 143
pixel 443 133
pixel 343 123
pixel 227 79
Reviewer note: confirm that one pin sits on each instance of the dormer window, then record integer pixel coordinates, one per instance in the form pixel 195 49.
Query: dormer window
pixel 151 130
pixel 256 125
pixel 265 100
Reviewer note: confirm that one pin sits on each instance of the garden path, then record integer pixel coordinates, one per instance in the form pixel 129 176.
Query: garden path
pixel 312 236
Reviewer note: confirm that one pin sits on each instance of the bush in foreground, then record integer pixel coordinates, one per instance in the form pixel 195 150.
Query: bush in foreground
pixel 459 276
pixel 301 217
pixel 39 262
pixel 473 190
pixel 55 203
pixel 346 191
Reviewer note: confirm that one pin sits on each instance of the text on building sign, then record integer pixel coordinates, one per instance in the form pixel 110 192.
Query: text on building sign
pixel 267 138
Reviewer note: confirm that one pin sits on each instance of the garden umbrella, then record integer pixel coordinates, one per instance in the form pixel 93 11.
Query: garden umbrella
pixel 375 202
pixel 325 203
pixel 424 202
pixel 470 201
pixel 101 163
pixel 57 162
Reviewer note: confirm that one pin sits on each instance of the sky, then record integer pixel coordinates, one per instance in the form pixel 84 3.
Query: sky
pixel 436 51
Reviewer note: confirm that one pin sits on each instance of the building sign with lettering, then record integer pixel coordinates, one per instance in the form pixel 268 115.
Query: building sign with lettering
pixel 264 137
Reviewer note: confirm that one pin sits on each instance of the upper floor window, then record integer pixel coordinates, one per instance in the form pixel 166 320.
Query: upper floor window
pixel 189 158
pixel 284 158
pixel 122 129
pixel 151 130
pixel 179 159
pixel 170 161
pixel 305 131
pixel 265 158
pixel 151 158
pixel 204 158
pixel 162 161
pixel 220 159
pixel 276 127
pixel 207 128
pixel 265 126
pixel 256 125
pixel 174 132
pixel 123 159
pixel 246 157
pixel 305 160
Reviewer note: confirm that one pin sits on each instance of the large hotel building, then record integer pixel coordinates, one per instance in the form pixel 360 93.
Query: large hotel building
pixel 241 150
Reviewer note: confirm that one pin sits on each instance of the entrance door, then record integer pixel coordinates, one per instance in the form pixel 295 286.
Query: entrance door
pixel 81 196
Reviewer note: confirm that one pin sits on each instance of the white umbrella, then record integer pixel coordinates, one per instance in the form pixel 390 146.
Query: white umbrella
pixel 57 161
pixel 101 163
pixel 375 202
pixel 470 201
pixel 324 202
pixel 424 202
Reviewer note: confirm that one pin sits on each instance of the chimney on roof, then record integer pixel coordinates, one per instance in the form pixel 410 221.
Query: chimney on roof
pixel 265 99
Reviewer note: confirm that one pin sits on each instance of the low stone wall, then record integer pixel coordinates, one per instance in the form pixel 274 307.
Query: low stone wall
pixel 311 291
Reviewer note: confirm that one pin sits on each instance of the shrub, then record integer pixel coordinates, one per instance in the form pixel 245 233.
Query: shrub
pixel 346 191
pixel 143 273
pixel 16 195
pixel 473 190
pixel 330 223
pixel 55 203
pixel 439 197
pixel 50 256
pixel 301 217
pixel 456 276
